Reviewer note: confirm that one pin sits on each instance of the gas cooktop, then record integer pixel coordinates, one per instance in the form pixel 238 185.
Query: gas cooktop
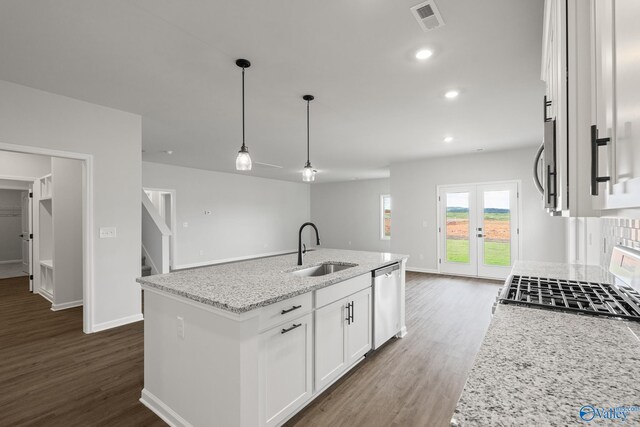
pixel 590 298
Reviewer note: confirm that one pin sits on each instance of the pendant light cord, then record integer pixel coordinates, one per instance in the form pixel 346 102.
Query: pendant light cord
pixel 243 146
pixel 308 132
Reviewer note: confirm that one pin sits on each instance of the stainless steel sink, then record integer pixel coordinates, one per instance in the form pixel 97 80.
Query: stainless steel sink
pixel 322 269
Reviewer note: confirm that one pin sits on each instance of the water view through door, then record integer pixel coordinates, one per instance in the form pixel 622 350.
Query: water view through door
pixel 478 229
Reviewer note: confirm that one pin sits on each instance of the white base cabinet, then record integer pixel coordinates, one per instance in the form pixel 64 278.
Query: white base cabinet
pixel 285 372
pixel 209 367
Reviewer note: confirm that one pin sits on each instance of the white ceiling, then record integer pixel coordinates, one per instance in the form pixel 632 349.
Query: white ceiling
pixel 173 62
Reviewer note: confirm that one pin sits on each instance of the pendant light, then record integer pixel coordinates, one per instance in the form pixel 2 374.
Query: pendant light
pixel 243 161
pixel 308 174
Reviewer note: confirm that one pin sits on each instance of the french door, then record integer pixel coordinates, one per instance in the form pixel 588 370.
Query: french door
pixel 478 230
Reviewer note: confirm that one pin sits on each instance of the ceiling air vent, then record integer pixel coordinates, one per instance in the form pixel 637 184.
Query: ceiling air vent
pixel 427 15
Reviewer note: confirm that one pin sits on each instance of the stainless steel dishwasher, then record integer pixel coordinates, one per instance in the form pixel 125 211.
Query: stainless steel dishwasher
pixel 386 303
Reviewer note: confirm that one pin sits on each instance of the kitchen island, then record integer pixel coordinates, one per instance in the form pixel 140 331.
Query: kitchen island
pixel 541 367
pixel 251 343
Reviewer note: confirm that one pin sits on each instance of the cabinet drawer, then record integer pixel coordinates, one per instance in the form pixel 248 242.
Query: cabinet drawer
pixel 341 290
pixel 285 310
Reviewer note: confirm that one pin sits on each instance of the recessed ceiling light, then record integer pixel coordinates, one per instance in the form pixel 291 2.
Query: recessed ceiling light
pixel 168 152
pixel 448 139
pixel 451 94
pixel 423 54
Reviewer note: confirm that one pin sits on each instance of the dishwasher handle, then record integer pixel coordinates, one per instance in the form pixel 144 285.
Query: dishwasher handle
pixel 386 270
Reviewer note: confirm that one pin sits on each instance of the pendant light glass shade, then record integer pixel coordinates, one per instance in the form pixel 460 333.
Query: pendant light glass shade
pixel 243 161
pixel 308 174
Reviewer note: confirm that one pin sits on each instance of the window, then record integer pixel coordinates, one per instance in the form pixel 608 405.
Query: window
pixel 385 217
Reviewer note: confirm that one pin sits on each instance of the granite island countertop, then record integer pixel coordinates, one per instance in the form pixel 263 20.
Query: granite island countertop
pixel 242 286
pixel 539 367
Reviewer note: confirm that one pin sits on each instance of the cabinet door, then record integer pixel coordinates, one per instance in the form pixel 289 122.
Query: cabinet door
pixel 617 96
pixel 359 333
pixel 285 371
pixel 331 343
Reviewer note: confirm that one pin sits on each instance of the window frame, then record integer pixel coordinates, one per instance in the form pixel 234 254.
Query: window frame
pixel 381 209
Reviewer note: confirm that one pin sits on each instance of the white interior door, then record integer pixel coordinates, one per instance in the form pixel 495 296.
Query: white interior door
pixel 479 234
pixel 26 231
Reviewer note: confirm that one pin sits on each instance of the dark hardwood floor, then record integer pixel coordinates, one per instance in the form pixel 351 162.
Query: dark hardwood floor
pixel 417 380
pixel 52 374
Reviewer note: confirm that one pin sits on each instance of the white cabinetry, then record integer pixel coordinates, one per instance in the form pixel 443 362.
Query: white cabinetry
pixel 286 369
pixel 616 93
pixel 566 72
pixel 207 366
pixel 343 334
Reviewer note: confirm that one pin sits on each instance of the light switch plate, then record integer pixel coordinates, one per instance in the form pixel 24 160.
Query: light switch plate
pixel 107 232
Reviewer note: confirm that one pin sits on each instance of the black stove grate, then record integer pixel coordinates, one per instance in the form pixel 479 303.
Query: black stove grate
pixel 572 295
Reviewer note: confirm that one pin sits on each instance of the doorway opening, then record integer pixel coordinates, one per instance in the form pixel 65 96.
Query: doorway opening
pixel 58 251
pixel 15 229
pixel 164 202
pixel 479 230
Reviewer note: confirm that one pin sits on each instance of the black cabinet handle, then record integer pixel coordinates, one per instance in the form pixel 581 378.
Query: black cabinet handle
pixel 546 105
pixel 295 307
pixel 349 317
pixel 551 194
pixel 284 331
pixel 595 144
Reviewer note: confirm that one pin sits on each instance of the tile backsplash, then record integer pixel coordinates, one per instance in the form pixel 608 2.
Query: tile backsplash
pixel 619 231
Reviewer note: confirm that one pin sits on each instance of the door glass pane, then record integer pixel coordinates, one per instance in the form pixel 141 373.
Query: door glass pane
pixel 497 228
pixel 457 229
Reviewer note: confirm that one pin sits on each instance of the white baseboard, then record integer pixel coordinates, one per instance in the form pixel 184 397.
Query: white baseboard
pixel 422 270
pixel 240 258
pixel 97 327
pixel 402 333
pixel 46 295
pixel 11 261
pixel 65 305
pixel 163 411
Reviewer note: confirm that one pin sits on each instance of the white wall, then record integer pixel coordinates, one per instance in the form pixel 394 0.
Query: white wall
pixel 348 214
pixel 19 165
pixel 414 192
pixel 10 227
pixel 250 216
pixel 30 117
pixel 67 229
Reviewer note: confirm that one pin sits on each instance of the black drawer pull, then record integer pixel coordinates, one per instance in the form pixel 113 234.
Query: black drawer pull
pixel 284 331
pixel 595 144
pixel 295 307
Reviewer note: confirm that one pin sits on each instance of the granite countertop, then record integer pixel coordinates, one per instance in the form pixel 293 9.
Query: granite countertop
pixel 243 286
pixel 540 367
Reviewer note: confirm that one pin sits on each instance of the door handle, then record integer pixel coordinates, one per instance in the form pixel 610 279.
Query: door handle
pixel 480 235
pixel 595 144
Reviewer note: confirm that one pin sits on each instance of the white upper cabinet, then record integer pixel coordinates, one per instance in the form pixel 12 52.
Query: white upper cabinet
pixel 566 71
pixel 616 108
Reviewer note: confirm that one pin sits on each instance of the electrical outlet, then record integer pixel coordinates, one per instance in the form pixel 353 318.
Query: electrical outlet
pixel 421 256
pixel 185 224
pixel 180 327
pixel 424 224
pixel 201 252
pixel 107 232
